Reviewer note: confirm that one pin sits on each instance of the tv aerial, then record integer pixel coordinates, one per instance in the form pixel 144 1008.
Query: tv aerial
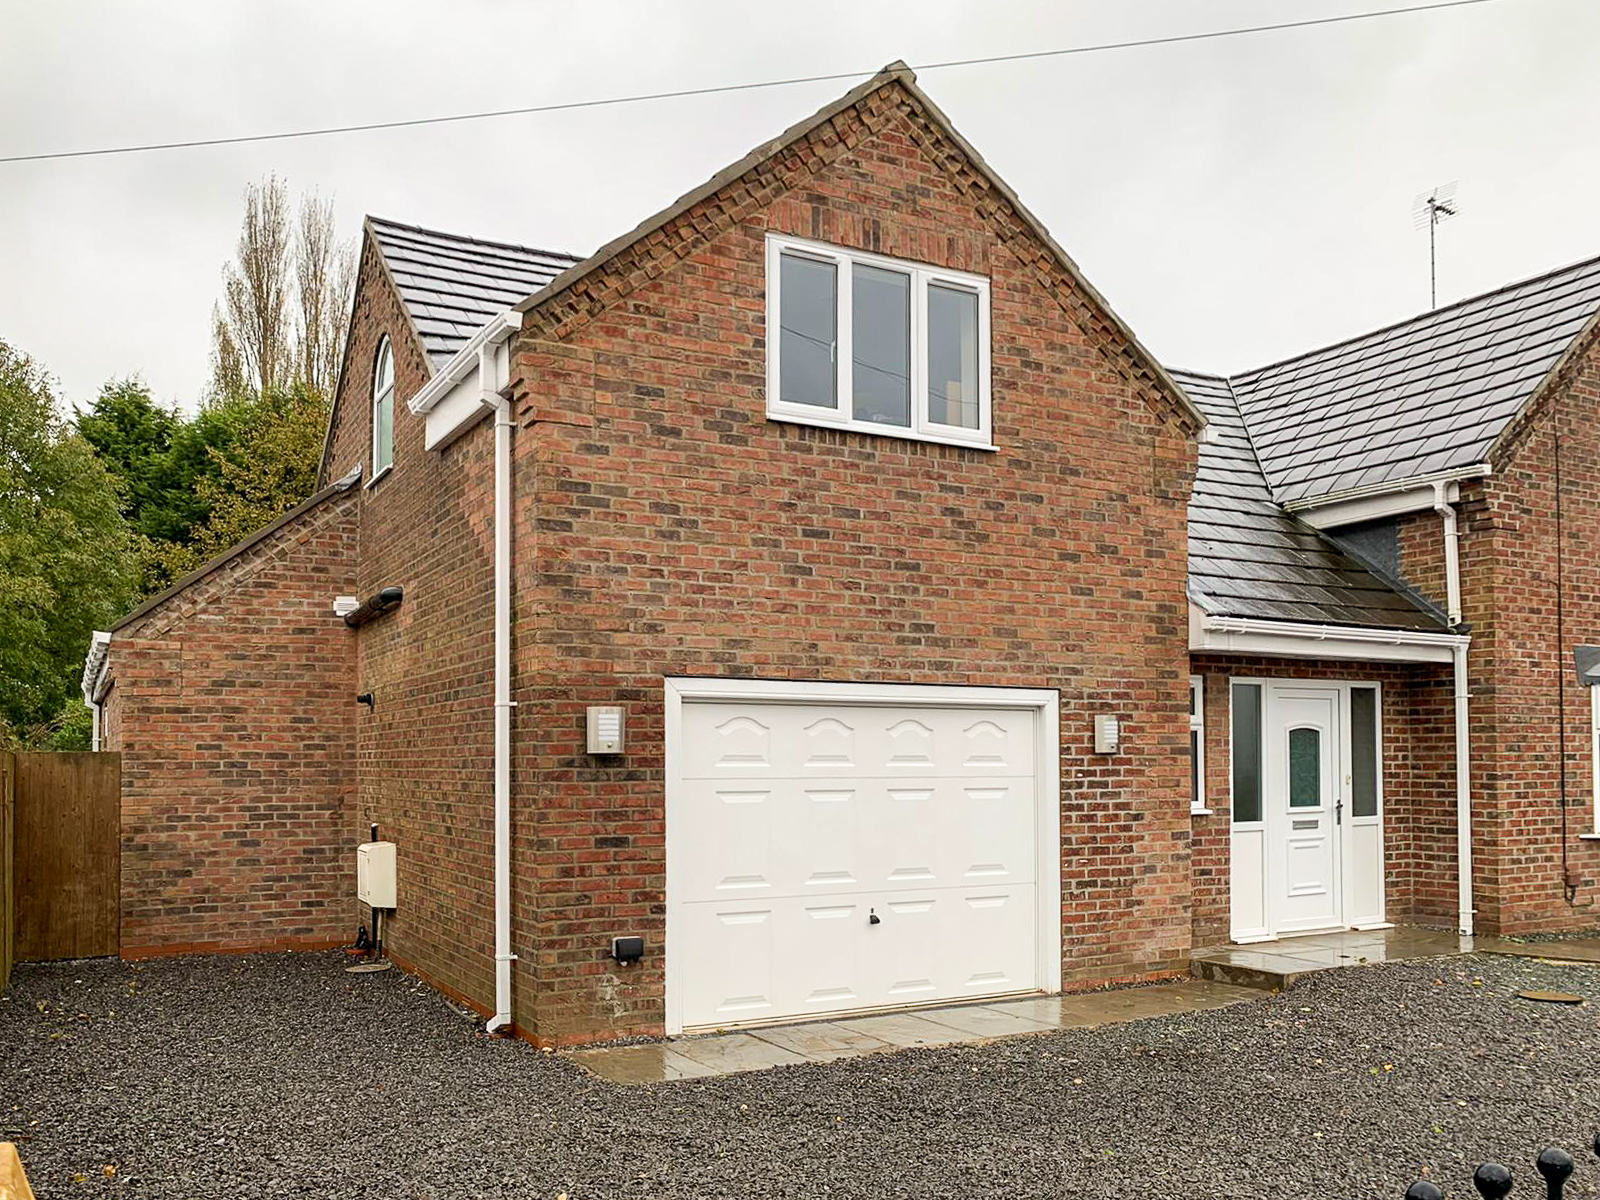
pixel 1429 209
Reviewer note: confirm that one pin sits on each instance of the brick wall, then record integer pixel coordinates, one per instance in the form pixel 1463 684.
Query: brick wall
pixel 1418 786
pixel 232 706
pixel 425 752
pixel 1543 599
pixel 667 528
pixel 1520 663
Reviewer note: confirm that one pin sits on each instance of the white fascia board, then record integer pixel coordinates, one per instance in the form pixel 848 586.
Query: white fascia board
pixel 461 406
pixel 95 664
pixel 1375 508
pixel 1377 500
pixel 465 361
pixel 1290 639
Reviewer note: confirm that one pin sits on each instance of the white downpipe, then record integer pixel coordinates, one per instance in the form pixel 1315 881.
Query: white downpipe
pixel 1452 586
pixel 1452 551
pixel 503 704
pixel 1463 798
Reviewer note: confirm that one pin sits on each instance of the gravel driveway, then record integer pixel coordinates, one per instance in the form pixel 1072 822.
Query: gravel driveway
pixel 281 1075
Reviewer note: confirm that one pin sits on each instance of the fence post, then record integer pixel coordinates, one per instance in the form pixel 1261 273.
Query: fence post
pixel 1492 1181
pixel 1556 1166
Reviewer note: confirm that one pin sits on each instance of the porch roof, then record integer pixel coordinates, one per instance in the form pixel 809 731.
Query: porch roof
pixel 1248 557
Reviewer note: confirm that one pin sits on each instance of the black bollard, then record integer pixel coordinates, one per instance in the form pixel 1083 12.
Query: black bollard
pixel 1424 1189
pixel 1556 1166
pixel 1492 1181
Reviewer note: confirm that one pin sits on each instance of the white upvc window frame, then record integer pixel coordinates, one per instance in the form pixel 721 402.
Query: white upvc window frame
pixel 1197 725
pixel 385 348
pixel 921 429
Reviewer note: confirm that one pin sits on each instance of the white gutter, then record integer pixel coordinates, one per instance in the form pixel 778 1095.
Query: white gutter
pixel 1363 641
pixel 1389 487
pixel 464 362
pixel 95 665
pixel 1452 550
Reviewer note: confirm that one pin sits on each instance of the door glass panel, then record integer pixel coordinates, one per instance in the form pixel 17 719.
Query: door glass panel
pixel 1247 752
pixel 952 357
pixel 1305 768
pixel 808 310
pixel 1364 752
pixel 880 333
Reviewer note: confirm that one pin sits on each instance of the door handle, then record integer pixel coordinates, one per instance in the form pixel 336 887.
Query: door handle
pixel 1338 812
pixel 873 918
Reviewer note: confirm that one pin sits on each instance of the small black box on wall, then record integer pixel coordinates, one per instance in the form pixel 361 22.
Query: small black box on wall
pixel 627 950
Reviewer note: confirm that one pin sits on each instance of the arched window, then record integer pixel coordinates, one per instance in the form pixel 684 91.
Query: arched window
pixel 383 410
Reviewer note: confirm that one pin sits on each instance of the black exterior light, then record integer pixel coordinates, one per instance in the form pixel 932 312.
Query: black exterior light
pixel 386 601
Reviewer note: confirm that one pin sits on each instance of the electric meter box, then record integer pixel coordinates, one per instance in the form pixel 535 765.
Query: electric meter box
pixel 375 874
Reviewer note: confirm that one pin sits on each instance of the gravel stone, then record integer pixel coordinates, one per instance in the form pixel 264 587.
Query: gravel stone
pixel 281 1075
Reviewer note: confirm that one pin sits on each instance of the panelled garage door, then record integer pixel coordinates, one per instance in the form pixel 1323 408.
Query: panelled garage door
pixel 827 856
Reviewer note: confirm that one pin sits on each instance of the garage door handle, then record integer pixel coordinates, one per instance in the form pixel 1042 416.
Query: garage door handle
pixel 873 918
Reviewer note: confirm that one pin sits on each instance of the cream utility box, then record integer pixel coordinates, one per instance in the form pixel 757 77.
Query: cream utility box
pixel 375 883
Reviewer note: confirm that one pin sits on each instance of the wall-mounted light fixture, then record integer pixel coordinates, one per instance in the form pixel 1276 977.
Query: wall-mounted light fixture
pixel 1107 734
pixel 386 601
pixel 366 698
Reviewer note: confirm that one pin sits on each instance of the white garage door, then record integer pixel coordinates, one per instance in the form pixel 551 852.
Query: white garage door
pixel 832 856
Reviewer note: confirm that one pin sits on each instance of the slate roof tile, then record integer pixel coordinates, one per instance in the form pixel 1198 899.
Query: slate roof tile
pixel 452 285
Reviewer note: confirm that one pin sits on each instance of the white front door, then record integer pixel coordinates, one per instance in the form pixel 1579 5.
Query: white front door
pixel 1304 802
pixel 1307 808
pixel 830 856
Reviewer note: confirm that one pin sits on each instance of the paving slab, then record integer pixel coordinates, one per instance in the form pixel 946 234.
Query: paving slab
pixel 726 1053
pixel 1582 950
pixel 1279 964
pixel 823 1041
pixel 657 1063
pixel 906 1030
pixel 854 1037
pixel 987 1022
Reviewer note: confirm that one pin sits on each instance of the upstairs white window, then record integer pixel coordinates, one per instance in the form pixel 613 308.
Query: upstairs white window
pixel 876 344
pixel 383 410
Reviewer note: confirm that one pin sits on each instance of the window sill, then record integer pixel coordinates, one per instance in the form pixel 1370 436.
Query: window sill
pixel 907 435
pixel 373 482
pixel 1202 812
pixel 1589 837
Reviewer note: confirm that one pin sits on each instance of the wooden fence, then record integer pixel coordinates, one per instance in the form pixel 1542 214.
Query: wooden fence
pixel 60 845
pixel 8 916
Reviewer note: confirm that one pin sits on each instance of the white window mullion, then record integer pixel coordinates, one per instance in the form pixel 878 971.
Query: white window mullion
pixel 846 340
pixel 919 351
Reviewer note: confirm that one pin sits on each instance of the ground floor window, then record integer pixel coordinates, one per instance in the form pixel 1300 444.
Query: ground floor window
pixel 1246 752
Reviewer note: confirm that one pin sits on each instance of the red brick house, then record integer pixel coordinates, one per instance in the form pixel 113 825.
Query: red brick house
pixel 845 667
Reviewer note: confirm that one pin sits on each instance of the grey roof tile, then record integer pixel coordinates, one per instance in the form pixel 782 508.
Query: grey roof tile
pixel 1250 558
pixel 1429 394
pixel 452 285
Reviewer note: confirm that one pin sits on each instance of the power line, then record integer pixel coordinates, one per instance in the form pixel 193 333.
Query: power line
pixel 735 87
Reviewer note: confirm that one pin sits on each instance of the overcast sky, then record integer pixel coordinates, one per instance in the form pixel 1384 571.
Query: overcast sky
pixel 1237 200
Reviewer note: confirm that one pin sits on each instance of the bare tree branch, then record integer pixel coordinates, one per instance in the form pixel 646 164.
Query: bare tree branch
pixel 286 298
